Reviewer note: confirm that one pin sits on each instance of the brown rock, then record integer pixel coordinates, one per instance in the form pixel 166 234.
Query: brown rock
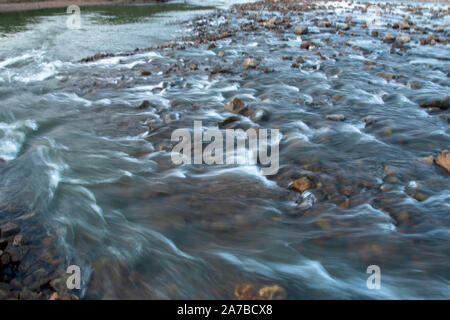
pixel 250 63
pixel 387 76
pixel 301 184
pixel 145 73
pixel 274 292
pixel 427 160
pixel 228 121
pixel 443 160
pixel 305 45
pixel 336 117
pixel 245 292
pixel 438 103
pixel 236 105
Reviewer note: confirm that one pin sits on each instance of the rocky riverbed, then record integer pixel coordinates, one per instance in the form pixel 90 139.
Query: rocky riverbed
pixel 360 94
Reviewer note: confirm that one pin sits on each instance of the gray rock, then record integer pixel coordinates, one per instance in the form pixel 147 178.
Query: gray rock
pixel 300 30
pixel 336 117
pixel 8 229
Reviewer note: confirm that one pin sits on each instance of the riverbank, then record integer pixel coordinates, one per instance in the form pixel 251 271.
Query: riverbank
pixel 54 4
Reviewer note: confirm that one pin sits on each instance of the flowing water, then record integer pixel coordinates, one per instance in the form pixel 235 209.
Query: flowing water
pixel 81 165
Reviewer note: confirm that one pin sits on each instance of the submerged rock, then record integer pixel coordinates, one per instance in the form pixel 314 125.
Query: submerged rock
pixel 442 103
pixel 8 229
pixel 387 76
pixel 301 184
pixel 143 105
pixel 336 117
pixel 443 160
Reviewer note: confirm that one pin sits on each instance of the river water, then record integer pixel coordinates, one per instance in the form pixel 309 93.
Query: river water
pixel 81 166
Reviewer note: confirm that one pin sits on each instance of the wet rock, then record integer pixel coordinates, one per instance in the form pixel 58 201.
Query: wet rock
pixel 236 105
pixel 19 240
pixel 442 103
pixel 375 33
pixel 143 105
pixel 445 117
pixel 5 259
pixel 16 254
pixel 58 285
pixel 301 184
pixel 419 196
pixel 402 25
pixel 387 76
pixel 369 120
pixel 260 114
pixel 345 27
pixel 305 45
pixel 8 229
pixel 145 73
pixel 274 292
pixel 228 121
pixel 390 179
pixel 250 63
pixel 427 160
pixel 165 146
pixel 388 171
pixel 270 23
pixel 403 39
pixel 389 37
pixel 300 30
pixel 27 294
pixel 211 46
pixel 193 66
pixel 335 117
pixel 443 160
pixel 245 292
